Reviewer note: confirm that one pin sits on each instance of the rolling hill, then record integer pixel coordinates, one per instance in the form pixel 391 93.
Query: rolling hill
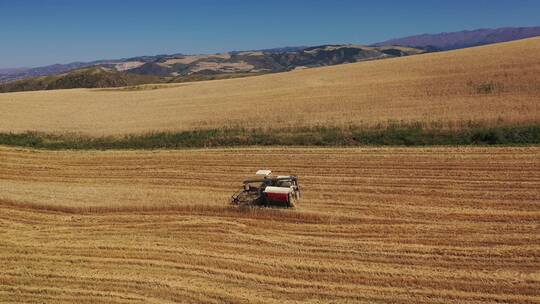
pixel 94 77
pixel 17 74
pixel 182 68
pixel 267 62
pixel 256 62
pixel 496 84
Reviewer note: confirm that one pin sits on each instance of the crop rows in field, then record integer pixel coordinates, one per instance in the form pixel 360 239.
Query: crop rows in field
pixel 374 225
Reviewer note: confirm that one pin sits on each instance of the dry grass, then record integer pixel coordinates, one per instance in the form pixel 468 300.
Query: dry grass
pixel 437 225
pixel 192 58
pixel 128 65
pixel 485 84
pixel 233 67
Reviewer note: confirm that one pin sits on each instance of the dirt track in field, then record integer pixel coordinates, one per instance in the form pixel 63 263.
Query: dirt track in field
pixel 433 225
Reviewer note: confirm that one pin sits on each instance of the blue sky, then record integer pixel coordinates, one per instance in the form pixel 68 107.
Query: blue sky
pixel 41 32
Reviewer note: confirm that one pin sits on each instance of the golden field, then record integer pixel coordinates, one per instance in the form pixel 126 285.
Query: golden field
pixel 496 83
pixel 375 225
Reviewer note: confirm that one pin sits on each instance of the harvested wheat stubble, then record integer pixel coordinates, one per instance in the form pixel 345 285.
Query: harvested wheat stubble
pixel 377 225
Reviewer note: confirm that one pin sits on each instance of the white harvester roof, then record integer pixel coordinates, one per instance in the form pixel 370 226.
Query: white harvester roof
pixel 264 172
pixel 270 189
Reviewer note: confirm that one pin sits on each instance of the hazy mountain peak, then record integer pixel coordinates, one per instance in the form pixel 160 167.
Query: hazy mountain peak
pixel 463 39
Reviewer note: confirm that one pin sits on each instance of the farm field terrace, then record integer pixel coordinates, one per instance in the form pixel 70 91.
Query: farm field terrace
pixel 375 225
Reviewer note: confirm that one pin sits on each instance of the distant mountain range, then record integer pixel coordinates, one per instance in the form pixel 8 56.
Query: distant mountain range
pixel 464 39
pixel 180 67
pixel 13 71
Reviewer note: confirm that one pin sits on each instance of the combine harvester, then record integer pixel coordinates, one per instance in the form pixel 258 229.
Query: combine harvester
pixel 269 191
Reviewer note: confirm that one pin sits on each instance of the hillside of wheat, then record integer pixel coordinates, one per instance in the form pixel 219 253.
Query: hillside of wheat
pixel 491 84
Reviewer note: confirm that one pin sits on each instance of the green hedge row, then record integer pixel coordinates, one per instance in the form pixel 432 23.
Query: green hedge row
pixel 393 135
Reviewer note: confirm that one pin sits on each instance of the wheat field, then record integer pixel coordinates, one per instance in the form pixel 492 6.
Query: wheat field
pixel 375 225
pixel 497 83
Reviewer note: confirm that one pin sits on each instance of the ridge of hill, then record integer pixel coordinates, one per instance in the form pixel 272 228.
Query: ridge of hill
pixel 93 77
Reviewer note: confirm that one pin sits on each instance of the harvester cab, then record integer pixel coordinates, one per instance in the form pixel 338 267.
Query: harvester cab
pixel 268 190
